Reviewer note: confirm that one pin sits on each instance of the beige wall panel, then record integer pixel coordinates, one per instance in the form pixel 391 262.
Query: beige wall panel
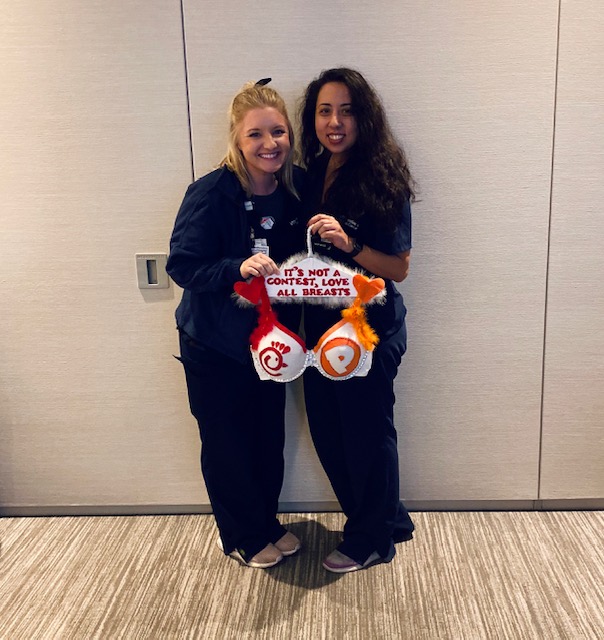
pixel 93 162
pixel 573 412
pixel 470 90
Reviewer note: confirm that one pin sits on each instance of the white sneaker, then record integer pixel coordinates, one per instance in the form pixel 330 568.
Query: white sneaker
pixel 268 557
pixel 288 544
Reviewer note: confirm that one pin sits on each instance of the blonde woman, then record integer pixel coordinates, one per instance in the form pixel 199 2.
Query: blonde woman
pixel 235 223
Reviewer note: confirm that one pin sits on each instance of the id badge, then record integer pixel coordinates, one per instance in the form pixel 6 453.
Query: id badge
pixel 260 246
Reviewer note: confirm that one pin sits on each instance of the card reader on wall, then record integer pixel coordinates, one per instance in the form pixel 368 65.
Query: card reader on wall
pixel 151 270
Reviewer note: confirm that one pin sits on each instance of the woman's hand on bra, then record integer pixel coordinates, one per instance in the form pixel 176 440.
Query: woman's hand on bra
pixel 329 229
pixel 258 264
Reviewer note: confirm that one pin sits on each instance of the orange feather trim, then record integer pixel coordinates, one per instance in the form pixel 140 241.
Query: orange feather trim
pixel 357 318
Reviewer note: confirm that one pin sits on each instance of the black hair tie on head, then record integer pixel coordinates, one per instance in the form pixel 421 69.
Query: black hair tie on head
pixel 262 82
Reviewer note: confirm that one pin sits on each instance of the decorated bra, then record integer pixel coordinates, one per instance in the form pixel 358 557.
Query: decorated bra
pixel 345 350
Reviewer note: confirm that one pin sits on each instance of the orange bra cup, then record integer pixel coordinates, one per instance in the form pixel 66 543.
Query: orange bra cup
pixel 339 353
pixel 340 357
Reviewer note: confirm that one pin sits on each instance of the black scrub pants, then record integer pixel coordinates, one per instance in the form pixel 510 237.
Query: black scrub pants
pixel 241 424
pixel 352 426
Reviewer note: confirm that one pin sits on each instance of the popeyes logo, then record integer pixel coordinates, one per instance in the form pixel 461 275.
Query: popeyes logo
pixel 339 357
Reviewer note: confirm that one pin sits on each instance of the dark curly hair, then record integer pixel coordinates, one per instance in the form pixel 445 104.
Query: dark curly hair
pixel 375 178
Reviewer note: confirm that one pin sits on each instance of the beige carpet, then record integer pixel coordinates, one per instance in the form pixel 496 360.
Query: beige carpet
pixel 466 575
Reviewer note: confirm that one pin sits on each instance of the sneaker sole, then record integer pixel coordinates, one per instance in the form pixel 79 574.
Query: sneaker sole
pixel 291 552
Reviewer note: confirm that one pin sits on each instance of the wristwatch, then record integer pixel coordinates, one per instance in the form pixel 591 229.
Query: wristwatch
pixel 357 247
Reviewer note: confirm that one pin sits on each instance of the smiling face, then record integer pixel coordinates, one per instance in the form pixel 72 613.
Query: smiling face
pixel 263 139
pixel 335 122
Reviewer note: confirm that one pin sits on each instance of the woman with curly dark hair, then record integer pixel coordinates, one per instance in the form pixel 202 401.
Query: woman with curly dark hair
pixel 358 196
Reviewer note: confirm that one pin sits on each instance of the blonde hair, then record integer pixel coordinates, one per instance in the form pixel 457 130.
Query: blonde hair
pixel 256 96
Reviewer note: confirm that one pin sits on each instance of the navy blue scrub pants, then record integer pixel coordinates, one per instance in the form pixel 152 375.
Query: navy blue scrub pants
pixel 241 424
pixel 352 426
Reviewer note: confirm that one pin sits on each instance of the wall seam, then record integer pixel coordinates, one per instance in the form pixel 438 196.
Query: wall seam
pixel 185 60
pixel 547 261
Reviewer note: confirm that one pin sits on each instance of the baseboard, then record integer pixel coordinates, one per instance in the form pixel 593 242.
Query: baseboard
pixel 575 504
pixel 103 510
pixel 583 504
